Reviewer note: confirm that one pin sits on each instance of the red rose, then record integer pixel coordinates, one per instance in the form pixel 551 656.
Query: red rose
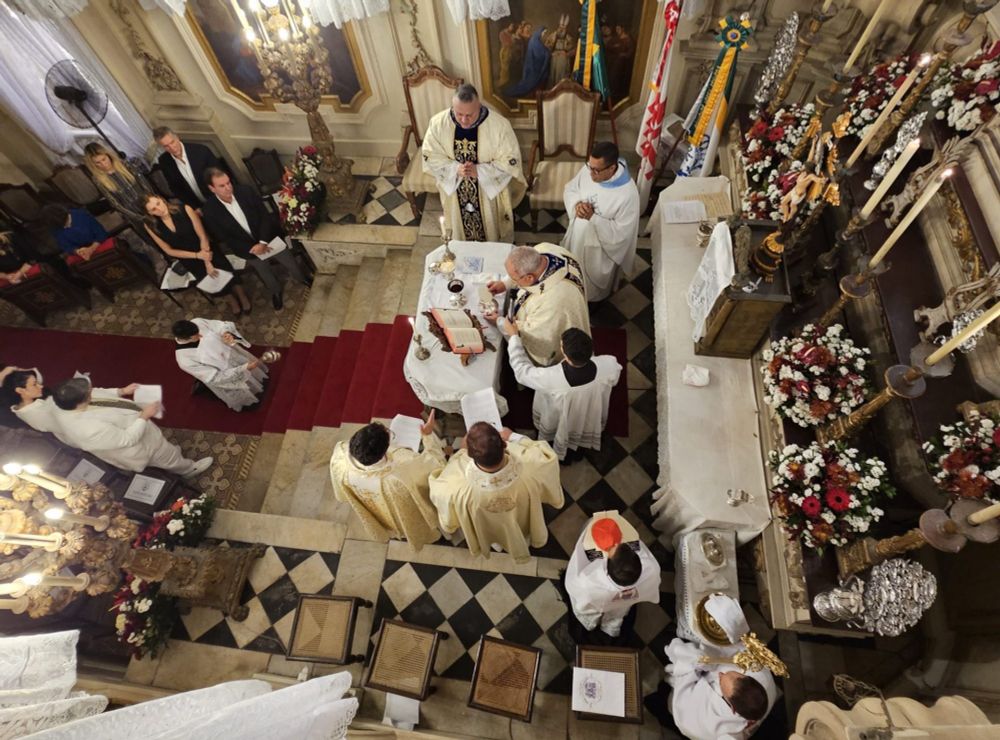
pixel 775 134
pixel 811 507
pixel 838 499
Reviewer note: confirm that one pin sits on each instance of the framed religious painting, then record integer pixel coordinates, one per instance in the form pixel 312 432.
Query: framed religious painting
pixel 220 35
pixel 535 47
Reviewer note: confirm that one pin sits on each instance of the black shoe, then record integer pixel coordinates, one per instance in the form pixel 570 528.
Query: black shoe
pixel 277 302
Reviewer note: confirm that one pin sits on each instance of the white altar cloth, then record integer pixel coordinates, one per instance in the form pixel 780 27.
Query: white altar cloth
pixel 708 442
pixel 441 381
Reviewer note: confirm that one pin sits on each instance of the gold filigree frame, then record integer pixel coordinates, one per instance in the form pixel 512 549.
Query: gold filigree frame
pixel 266 103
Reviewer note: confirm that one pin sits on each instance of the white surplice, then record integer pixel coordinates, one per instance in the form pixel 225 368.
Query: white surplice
pixel 605 243
pixel 42 413
pixel 223 369
pixel 566 416
pixel 596 599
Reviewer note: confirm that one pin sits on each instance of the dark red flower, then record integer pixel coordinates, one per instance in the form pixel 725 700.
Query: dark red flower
pixel 811 507
pixel 987 86
pixel 996 436
pixel 775 134
pixel 758 129
pixel 838 499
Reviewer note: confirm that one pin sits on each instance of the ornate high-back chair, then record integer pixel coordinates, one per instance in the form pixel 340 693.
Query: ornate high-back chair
pixel 428 91
pixel 567 120
pixel 20 204
pixel 73 183
pixel 266 169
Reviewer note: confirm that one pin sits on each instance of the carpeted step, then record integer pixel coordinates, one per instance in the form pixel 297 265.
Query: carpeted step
pixel 364 383
pixel 284 394
pixel 310 386
pixel 394 395
pixel 329 408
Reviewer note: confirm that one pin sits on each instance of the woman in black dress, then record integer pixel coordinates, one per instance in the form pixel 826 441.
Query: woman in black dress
pixel 178 231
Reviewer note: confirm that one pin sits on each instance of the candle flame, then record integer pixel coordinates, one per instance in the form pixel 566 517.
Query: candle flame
pixel 32 469
pixel 12 468
pixel 947 173
pixel 925 59
pixel 54 513
pixel 32 579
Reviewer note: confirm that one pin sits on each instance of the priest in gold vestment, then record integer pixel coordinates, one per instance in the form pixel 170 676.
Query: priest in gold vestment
pixel 473 155
pixel 387 486
pixel 494 491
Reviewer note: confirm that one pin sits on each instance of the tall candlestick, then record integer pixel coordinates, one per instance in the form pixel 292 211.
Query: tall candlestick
pixel 34 474
pixel 974 328
pixel 890 177
pixel 14 588
pixel 17 606
pixel 48 542
pixel 883 117
pixel 908 219
pixel 869 29
pixel 99 523
pixel 77 582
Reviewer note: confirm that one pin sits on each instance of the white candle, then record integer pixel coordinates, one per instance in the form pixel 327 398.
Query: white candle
pixel 952 344
pixel 890 177
pixel 34 474
pixel 908 219
pixel 14 605
pixel 826 6
pixel 984 515
pixel 49 542
pixel 441 224
pixel 77 582
pixel 883 117
pixel 99 523
pixel 869 29
pixel 15 588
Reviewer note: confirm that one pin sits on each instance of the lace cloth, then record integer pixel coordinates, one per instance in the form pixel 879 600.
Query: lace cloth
pixel 472 10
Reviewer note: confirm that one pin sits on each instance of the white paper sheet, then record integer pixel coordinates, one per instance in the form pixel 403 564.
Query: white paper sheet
pixel 481 406
pixel 599 692
pixel 406 431
pixel 85 471
pixel 147 394
pixel 401 712
pixel 277 245
pixel 683 211
pixel 144 489
pixel 212 285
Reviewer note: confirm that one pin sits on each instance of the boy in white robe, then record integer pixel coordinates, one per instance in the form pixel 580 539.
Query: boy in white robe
pixel 118 432
pixel 609 572
pixel 494 491
pixel 602 203
pixel 213 352
pixel 570 407
pixel 473 155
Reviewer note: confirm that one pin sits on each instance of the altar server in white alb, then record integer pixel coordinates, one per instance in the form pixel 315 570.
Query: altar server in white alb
pixel 609 572
pixel 722 693
pixel 214 352
pixel 473 155
pixel 602 202
pixel 119 432
pixel 570 408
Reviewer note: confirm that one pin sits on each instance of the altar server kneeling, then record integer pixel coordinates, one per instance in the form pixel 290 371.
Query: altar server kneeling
pixel 213 352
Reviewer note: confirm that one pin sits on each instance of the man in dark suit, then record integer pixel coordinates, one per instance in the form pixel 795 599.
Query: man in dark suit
pixel 236 216
pixel 184 166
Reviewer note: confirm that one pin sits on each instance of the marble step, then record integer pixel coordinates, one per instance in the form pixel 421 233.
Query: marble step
pixel 313 495
pixel 335 308
pixel 361 307
pixel 389 291
pixel 312 313
pixel 285 473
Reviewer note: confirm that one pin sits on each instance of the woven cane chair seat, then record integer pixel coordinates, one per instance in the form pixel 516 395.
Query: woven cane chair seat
pixel 619 660
pixel 504 679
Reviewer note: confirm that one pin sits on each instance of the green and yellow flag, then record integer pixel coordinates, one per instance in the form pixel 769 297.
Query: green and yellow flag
pixel 589 69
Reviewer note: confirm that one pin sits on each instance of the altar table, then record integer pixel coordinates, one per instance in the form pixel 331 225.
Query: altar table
pixel 440 381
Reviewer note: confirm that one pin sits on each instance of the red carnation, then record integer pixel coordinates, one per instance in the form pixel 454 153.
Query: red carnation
pixel 758 128
pixel 811 507
pixel 775 134
pixel 838 499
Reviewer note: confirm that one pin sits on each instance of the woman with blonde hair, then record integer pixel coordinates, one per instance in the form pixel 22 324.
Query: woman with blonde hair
pixel 125 188
pixel 178 231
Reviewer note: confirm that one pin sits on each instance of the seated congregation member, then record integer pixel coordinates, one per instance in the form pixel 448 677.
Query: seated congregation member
pixel 550 298
pixel 570 408
pixel 214 353
pixel 387 486
pixel 15 259
pixel 23 388
pixel 715 700
pixel 184 166
pixel 602 203
pixel 236 215
pixel 494 491
pixel 75 231
pixel 118 432
pixel 622 573
pixel 178 231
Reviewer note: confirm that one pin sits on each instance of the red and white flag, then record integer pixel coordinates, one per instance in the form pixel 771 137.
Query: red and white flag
pixel 648 143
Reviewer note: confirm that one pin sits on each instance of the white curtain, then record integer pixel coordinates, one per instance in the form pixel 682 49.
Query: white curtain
pixel 29 46
pixel 473 10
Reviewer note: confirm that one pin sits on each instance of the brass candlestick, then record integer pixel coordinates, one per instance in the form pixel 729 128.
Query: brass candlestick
pixel 421 352
pixel 901 381
pixel 804 42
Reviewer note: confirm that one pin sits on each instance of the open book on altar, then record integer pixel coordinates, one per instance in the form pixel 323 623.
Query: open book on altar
pixel 458 330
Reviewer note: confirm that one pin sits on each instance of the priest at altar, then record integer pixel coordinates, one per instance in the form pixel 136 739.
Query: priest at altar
pixel 494 490
pixel 602 203
pixel 550 298
pixel 214 353
pixel 473 154
pixel 386 486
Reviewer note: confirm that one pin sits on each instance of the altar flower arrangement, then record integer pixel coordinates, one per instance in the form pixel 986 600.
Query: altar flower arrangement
pixel 969 93
pixel 816 376
pixel 827 494
pixel 869 93
pixel 768 143
pixel 301 192
pixel 965 458
pixel 184 523
pixel 144 617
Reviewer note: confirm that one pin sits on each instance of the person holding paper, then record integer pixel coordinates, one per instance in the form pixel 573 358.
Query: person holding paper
pixel 609 572
pixel 570 407
pixel 602 203
pixel 719 693
pixel 550 298
pixel 118 432
pixel 215 353
pixel 473 155
pixel 494 491
pixel 386 486
pixel 179 233
pixel 236 215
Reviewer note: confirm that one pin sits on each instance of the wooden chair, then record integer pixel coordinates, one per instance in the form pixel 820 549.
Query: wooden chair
pixel 505 677
pixel 42 292
pixel 619 660
pixel 266 169
pixel 20 204
pixel 567 120
pixel 323 630
pixel 428 91
pixel 159 181
pixel 111 267
pixel 404 659
pixel 75 185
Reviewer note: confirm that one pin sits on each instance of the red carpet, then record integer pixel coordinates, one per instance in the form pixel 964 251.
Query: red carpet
pixel 330 407
pixel 116 361
pixel 395 395
pixel 310 385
